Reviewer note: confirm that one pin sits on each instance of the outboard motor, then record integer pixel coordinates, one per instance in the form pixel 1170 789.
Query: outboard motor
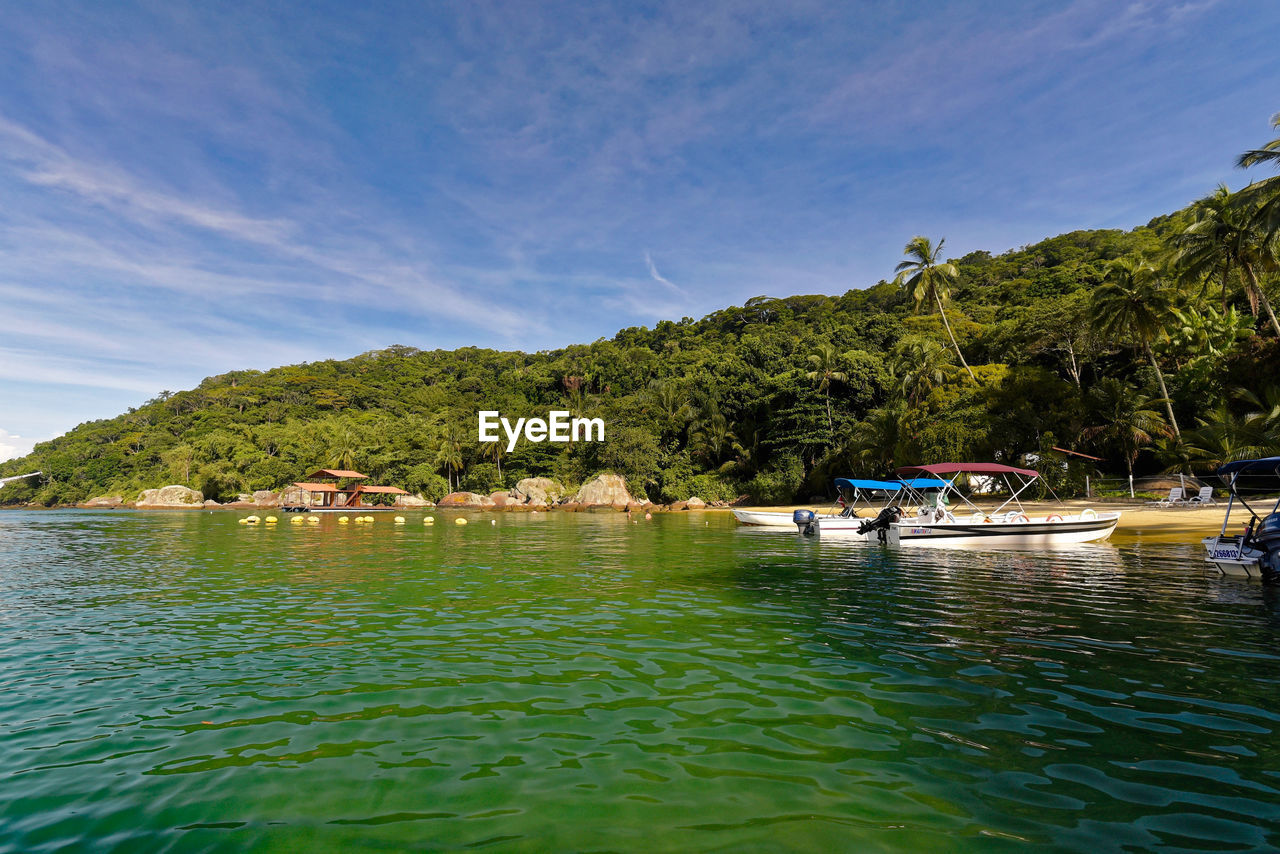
pixel 806 521
pixel 1266 538
pixel 881 523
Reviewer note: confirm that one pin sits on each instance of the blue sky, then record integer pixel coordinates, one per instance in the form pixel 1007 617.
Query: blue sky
pixel 187 189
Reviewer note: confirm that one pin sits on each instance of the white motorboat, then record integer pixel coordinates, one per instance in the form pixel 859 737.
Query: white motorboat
pixel 846 516
pixel 1254 553
pixel 939 526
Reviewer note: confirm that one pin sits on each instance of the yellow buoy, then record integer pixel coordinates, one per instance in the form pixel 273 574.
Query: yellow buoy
pixel 342 520
pixel 314 520
pixel 251 519
pixel 271 520
pixel 296 520
pixel 243 521
pixel 429 520
pixel 459 521
pixel 368 519
pixel 399 520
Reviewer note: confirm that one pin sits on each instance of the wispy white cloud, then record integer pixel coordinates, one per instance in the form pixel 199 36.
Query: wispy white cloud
pixel 13 446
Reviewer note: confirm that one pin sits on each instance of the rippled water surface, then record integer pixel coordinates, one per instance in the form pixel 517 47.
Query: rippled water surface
pixel 175 681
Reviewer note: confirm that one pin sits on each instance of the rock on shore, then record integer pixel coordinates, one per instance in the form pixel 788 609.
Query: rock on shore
pixel 465 499
pixel 604 490
pixel 537 492
pixel 412 501
pixel 171 496
pixel 105 501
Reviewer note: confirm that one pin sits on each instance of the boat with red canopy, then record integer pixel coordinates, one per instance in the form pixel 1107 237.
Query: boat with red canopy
pixel 1007 525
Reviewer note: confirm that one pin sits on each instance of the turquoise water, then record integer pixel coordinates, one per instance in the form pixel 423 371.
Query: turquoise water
pixel 175 681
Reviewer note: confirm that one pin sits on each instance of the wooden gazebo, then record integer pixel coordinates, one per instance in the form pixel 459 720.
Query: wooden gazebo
pixel 329 490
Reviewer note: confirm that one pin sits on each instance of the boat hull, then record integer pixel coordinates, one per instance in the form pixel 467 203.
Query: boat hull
pixel 764 519
pixel 773 519
pixel 1229 557
pixel 1069 530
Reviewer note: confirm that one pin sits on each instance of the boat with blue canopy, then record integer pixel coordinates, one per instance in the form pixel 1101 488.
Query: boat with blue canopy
pixel 1255 551
pixel 857 501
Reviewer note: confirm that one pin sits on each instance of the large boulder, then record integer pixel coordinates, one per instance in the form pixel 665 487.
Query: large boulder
pixel 604 489
pixel 501 498
pixel 695 503
pixel 171 496
pixel 412 501
pixel 465 499
pixel 266 498
pixel 105 501
pixel 537 492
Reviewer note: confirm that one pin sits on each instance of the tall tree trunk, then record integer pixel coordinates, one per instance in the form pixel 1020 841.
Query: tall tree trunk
pixel 1075 366
pixel 1164 392
pixel 947 324
pixel 1256 288
pixel 831 426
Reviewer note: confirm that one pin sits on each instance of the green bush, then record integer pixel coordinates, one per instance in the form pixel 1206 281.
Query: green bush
pixel 425 481
pixel 778 484
pixel 481 478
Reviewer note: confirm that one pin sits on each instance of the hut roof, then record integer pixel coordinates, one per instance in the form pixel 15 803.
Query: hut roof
pixel 336 473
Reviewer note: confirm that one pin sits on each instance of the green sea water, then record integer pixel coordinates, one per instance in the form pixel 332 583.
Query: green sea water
pixel 178 682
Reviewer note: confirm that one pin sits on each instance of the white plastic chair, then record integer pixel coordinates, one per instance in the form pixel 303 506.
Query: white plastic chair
pixel 1205 497
pixel 1175 498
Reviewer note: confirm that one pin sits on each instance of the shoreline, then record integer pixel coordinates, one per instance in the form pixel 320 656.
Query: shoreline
pixel 1135 517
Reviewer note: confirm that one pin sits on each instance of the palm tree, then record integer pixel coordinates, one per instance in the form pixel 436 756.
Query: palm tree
pixel 825 371
pixel 713 436
pixel 494 451
pixel 1123 420
pixel 1266 192
pixel 875 440
pixel 919 366
pixel 344 447
pixel 1226 237
pixel 1132 303
pixel 671 402
pixel 929 281
pixel 1223 436
pixel 449 453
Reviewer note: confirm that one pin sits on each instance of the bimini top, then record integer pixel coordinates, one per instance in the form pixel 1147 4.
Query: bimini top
pixel 1266 465
pixel 924 483
pixel 854 483
pixel 968 468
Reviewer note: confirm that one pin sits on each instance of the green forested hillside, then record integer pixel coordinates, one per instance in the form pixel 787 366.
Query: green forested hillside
pixel 1069 343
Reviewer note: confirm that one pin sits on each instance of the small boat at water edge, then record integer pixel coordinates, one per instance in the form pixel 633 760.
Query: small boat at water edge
pixel 939 526
pixel 845 516
pixel 1255 552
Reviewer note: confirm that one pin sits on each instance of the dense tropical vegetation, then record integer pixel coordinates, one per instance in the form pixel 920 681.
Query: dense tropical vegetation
pixel 1155 349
